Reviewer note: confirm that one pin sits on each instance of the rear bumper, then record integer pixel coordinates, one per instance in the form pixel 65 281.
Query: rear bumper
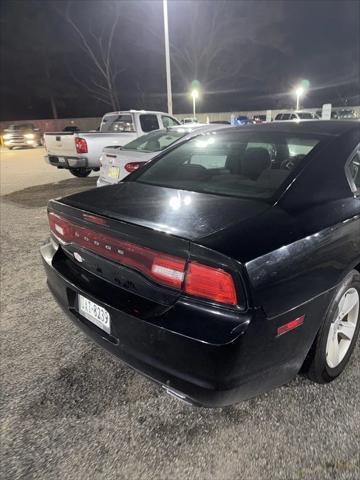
pixel 201 373
pixel 66 162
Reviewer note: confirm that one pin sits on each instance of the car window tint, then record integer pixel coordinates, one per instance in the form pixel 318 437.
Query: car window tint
pixel 149 122
pixel 286 116
pixel 301 146
pixel 169 139
pixel 236 163
pixel 154 141
pixel 278 116
pixel 269 147
pixel 169 121
pixel 209 161
pixel 117 124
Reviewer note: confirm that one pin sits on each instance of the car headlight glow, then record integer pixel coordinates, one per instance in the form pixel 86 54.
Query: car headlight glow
pixel 29 135
pixel 6 136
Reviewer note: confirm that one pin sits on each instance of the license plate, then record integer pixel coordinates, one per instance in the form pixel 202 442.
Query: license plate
pixel 94 313
pixel 114 172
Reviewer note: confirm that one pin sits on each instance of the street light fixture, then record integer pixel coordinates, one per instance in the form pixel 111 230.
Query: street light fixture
pixel 195 96
pixel 299 92
pixel 167 57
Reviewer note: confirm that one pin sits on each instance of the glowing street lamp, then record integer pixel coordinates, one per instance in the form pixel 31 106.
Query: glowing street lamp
pixel 195 96
pixel 167 58
pixel 299 92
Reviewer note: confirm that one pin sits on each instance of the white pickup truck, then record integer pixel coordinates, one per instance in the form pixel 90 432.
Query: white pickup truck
pixel 79 152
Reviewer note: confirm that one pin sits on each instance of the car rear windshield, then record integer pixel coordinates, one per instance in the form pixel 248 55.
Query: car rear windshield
pixel 154 141
pixel 251 165
pixel 117 124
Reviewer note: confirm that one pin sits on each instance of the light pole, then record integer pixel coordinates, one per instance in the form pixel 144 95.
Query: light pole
pixel 299 92
pixel 167 58
pixel 195 96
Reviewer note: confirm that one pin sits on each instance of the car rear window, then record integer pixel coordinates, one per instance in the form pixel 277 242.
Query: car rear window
pixel 149 122
pixel 154 141
pixel 253 165
pixel 117 124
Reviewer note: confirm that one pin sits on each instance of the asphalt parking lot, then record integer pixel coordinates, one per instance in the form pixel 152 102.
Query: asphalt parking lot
pixel 71 411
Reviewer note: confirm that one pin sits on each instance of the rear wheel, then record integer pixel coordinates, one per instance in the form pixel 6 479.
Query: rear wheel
pixel 337 336
pixel 80 172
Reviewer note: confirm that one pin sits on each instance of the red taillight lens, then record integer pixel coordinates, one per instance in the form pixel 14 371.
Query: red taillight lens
pixel 61 227
pixel 208 282
pixel 132 166
pixel 81 145
pixel 200 280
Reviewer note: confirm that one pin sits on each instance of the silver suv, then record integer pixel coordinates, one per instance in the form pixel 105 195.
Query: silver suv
pixel 285 116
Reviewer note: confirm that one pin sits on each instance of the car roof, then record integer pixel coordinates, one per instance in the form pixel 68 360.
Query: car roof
pixel 320 127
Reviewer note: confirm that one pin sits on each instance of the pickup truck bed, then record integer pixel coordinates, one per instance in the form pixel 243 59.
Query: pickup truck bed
pixel 80 152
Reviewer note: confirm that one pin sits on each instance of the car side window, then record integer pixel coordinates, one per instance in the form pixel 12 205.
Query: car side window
pixel 286 116
pixel 149 122
pixel 210 157
pixel 353 170
pixel 169 121
pixel 300 146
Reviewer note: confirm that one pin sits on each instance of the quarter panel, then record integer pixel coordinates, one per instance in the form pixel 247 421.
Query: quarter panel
pixel 293 274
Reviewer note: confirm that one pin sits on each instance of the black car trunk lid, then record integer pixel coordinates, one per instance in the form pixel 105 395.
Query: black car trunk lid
pixel 183 214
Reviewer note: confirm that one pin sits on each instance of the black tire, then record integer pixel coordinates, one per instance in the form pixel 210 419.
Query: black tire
pixel 10 148
pixel 318 369
pixel 80 172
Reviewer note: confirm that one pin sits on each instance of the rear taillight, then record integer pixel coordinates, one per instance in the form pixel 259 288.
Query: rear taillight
pixel 208 282
pixel 81 145
pixel 61 227
pixel 169 269
pixel 198 279
pixel 132 166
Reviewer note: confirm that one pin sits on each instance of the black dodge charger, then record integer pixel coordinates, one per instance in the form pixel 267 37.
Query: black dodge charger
pixel 224 266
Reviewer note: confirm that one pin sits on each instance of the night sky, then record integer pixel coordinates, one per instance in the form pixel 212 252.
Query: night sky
pixel 245 54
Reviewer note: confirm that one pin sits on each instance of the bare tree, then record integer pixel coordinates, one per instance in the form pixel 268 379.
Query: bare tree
pixel 203 37
pixel 97 42
pixel 203 52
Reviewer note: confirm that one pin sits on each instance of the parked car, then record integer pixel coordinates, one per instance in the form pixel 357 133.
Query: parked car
pixel 189 120
pixel 285 116
pixel 80 152
pixel 259 118
pixel 118 162
pixel 243 120
pixel 214 271
pixel 22 135
pixel 334 115
pixel 347 114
